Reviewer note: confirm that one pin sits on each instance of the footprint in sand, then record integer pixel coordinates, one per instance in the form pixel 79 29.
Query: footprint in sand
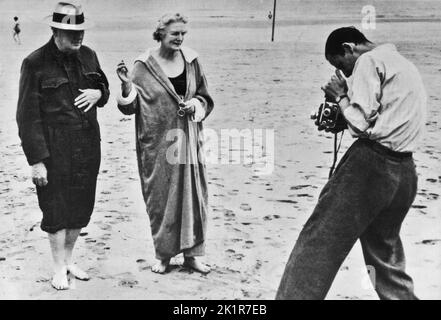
pixel 42 280
pixel 258 265
pixel 287 201
pixel 271 217
pixel 432 196
pixel 142 265
pixel 127 283
pixel 218 195
pixel 429 241
pixel 300 187
pixel 229 213
pixel 248 244
pixel 415 206
pixel 106 237
pixel 239 256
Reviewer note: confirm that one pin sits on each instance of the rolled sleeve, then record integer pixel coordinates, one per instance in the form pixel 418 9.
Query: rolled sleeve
pixel 365 94
pixel 123 101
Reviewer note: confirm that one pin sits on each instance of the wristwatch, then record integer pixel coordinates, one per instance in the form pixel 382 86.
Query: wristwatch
pixel 340 98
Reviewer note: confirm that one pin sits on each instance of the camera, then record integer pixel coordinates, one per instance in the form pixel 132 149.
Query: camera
pixel 329 116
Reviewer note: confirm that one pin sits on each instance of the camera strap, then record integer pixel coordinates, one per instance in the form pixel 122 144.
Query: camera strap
pixel 336 150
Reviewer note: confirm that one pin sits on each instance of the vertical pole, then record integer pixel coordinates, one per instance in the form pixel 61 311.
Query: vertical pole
pixel 274 20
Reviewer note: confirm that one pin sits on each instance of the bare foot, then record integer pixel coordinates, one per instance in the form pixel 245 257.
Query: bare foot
pixel 192 263
pixel 59 280
pixel 161 266
pixel 78 273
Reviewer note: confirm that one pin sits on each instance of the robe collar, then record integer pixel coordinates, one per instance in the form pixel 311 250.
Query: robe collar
pixel 188 53
pixel 189 56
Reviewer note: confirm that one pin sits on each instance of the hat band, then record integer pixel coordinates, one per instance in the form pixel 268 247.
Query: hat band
pixel 68 19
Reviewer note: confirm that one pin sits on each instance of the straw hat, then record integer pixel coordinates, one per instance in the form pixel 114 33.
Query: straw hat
pixel 68 16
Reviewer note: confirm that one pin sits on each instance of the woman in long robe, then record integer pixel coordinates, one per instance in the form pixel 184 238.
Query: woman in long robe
pixel 167 92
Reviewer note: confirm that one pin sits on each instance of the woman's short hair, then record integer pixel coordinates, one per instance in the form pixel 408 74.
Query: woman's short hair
pixel 165 21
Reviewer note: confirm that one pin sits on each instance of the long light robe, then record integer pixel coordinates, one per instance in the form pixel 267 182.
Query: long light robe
pixel 173 181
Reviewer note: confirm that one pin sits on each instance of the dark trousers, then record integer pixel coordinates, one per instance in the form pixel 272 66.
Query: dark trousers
pixel 367 198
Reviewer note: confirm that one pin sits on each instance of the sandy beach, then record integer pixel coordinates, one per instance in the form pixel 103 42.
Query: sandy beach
pixel 254 219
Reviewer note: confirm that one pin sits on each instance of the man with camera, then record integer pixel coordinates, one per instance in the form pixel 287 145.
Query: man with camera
pixel 383 103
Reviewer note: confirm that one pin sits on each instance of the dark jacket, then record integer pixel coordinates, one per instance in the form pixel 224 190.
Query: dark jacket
pixel 49 83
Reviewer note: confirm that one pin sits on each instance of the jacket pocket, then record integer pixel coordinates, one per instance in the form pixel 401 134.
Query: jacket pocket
pixel 93 75
pixel 53 83
pixel 56 95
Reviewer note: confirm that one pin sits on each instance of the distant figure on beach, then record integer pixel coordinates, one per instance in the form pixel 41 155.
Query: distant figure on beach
pixel 16 31
pixel 375 183
pixel 270 15
pixel 61 86
pixel 167 92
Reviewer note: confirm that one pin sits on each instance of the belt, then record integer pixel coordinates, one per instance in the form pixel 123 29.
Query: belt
pixel 70 126
pixel 386 151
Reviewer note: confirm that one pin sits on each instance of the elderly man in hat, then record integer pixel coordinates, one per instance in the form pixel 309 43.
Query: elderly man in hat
pixel 61 86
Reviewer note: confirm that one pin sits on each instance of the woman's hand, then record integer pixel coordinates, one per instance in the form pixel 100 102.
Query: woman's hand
pixel 189 107
pixel 123 74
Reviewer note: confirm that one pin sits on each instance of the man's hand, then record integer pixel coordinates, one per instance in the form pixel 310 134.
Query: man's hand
pixel 88 98
pixel 123 74
pixel 39 174
pixel 337 86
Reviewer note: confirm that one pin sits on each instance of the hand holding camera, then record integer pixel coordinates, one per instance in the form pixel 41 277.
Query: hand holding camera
pixel 329 116
pixel 337 86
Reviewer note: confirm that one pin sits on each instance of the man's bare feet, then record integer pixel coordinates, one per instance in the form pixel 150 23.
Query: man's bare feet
pixel 193 263
pixel 59 280
pixel 78 273
pixel 161 266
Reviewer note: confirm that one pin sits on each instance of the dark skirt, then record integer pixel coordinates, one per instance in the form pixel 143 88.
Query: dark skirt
pixel 68 199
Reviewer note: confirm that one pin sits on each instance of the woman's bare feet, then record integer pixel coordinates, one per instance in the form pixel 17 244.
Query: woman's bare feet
pixel 161 266
pixel 59 280
pixel 193 263
pixel 78 273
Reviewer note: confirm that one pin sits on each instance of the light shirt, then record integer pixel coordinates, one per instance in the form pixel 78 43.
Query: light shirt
pixel 387 99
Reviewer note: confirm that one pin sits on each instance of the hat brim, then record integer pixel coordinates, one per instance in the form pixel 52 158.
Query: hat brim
pixel 87 24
